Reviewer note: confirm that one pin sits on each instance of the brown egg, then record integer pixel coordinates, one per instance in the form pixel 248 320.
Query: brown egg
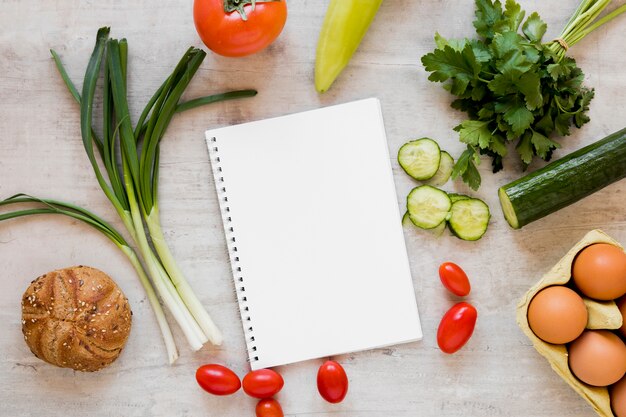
pixel 618 398
pixel 598 357
pixel 557 315
pixel 621 304
pixel 599 271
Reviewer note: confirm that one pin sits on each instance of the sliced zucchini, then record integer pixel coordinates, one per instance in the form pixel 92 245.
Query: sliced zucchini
pixel 454 197
pixel 420 158
pixel 444 171
pixel 469 218
pixel 428 206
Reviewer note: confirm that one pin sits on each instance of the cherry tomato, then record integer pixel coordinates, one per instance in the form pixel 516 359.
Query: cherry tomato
pixel 269 407
pixel 454 279
pixel 242 31
pixel 263 383
pixel 332 382
pixel 217 379
pixel 456 327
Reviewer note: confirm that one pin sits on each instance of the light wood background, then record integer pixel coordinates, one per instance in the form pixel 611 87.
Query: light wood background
pixel 497 374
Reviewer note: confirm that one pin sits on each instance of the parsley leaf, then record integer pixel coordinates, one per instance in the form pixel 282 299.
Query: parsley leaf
pixel 514 89
pixel 456 44
pixel 449 63
pixel 534 28
pixel 514 15
pixel 529 85
pixel 471 176
pixel 466 168
pixel 525 148
pixel 519 117
pixel 503 43
pixel 474 133
pixel 488 14
pixel 542 144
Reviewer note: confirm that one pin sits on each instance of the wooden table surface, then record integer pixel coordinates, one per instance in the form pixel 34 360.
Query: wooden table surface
pixel 498 373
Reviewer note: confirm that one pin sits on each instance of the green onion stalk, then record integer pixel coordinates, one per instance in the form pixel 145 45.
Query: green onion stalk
pixel 584 21
pixel 78 213
pixel 130 157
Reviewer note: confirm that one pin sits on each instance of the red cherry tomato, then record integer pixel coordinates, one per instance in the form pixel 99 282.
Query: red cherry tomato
pixel 454 279
pixel 217 379
pixel 269 407
pixel 263 383
pixel 228 34
pixel 332 382
pixel 456 327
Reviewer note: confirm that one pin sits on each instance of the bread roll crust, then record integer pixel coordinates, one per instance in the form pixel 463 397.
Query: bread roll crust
pixel 76 318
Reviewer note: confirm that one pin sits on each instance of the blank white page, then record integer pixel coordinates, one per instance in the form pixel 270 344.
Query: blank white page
pixel 314 234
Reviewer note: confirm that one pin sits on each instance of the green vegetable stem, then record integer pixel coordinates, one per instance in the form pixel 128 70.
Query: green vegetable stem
pixel 344 26
pixel 130 157
pixel 513 86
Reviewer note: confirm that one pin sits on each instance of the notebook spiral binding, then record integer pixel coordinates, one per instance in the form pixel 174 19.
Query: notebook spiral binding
pixel 231 242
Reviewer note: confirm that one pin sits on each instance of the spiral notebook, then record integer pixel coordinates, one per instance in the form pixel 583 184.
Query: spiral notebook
pixel 314 234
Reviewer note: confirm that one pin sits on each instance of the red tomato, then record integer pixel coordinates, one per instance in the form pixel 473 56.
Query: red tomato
pixel 217 379
pixel 228 34
pixel 269 408
pixel 456 327
pixel 332 382
pixel 454 279
pixel 263 383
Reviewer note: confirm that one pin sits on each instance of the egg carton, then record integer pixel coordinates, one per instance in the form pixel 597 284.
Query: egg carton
pixel 602 315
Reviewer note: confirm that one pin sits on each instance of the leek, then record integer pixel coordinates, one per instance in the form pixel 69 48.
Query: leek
pixel 130 157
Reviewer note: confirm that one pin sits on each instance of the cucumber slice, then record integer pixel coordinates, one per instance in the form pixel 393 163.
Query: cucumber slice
pixel 420 158
pixel 406 220
pixel 437 231
pixel 442 175
pixel 427 206
pixel 469 218
pixel 456 197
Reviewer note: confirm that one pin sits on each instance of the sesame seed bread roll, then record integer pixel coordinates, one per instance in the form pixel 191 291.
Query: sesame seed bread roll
pixel 76 318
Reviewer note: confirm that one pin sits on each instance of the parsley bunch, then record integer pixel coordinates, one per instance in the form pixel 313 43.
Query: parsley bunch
pixel 514 87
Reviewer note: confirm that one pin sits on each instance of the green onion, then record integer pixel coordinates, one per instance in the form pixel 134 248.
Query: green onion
pixel 130 157
pixel 78 213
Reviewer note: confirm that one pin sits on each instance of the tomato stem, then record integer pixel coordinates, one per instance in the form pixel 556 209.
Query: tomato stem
pixel 238 6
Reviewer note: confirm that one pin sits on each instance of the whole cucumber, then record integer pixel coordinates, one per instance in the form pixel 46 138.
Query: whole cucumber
pixel 564 181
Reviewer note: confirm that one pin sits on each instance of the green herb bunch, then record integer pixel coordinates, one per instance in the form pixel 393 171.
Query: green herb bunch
pixel 514 87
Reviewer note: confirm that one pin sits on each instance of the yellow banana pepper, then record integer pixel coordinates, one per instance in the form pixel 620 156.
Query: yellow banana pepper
pixel 344 26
